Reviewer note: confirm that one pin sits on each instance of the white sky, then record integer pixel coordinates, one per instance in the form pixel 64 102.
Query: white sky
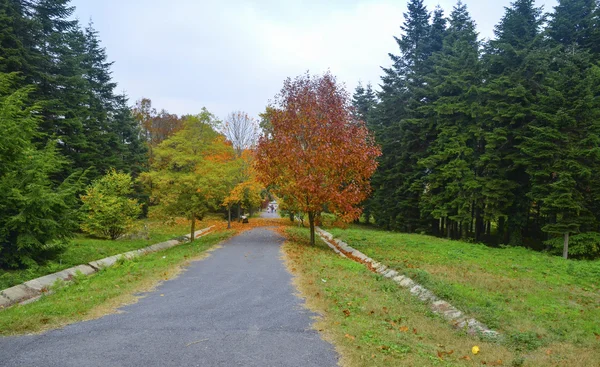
pixel 234 55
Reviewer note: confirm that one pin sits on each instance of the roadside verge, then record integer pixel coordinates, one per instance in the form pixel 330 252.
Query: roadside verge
pixel 32 290
pixel 450 313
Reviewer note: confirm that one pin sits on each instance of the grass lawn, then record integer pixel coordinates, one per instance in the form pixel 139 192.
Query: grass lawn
pixel 547 308
pixel 89 297
pixel 83 249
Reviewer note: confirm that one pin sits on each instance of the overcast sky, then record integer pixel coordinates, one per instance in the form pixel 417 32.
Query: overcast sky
pixel 234 55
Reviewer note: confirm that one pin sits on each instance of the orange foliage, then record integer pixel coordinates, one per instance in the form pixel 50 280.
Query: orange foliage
pixel 316 152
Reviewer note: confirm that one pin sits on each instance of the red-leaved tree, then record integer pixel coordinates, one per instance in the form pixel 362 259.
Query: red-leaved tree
pixel 316 153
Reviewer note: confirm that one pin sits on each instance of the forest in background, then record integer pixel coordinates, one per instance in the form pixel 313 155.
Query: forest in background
pixel 495 141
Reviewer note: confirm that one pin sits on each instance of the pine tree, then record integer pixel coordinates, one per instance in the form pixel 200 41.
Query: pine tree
pixel 364 100
pixel 572 23
pixel 402 136
pixel 37 214
pixel 561 149
pixel 15 40
pixel 452 188
pixel 515 63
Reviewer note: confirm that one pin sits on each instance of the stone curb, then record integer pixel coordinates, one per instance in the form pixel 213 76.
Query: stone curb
pixel 451 314
pixel 32 289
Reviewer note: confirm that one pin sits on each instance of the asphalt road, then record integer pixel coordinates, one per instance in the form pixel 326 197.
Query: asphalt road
pixel 235 308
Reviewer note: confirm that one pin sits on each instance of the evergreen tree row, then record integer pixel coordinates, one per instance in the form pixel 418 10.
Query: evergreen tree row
pixel 495 141
pixel 72 85
pixel 62 126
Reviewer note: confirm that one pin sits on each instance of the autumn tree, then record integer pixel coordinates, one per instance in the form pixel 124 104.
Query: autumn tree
pixel 247 194
pixel 317 154
pixel 188 170
pixel 155 126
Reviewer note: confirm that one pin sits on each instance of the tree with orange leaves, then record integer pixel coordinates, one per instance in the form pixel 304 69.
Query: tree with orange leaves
pixel 190 170
pixel 317 153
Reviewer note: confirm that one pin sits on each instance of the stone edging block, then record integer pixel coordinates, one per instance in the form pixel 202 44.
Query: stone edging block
pixel 32 289
pixel 438 306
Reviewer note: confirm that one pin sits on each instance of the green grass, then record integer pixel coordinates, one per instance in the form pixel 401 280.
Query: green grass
pixel 83 249
pixel 89 297
pixel 538 301
pixel 373 322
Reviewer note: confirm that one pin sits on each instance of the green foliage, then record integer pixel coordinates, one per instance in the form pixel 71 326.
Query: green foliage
pixel 581 246
pixel 496 143
pixel 108 211
pixel 533 298
pixel 191 170
pixel 37 214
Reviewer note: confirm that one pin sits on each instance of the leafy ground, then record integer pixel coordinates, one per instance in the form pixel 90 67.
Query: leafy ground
pixel 547 308
pixel 89 297
pixel 83 249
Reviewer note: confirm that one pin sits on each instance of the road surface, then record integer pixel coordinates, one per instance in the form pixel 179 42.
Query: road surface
pixel 235 308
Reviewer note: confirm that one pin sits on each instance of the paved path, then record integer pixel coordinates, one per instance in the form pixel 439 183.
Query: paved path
pixel 266 214
pixel 238 305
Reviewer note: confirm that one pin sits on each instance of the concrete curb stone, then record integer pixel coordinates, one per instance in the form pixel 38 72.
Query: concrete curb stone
pixel 31 290
pixel 438 306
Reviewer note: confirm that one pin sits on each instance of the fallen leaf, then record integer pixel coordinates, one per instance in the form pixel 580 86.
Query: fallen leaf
pixel 466 358
pixel 403 329
pixel 475 349
pixel 347 313
pixel 414 331
pixel 349 336
pixel 548 352
pixel 162 295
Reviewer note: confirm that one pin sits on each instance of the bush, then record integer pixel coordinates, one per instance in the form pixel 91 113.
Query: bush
pixel 108 211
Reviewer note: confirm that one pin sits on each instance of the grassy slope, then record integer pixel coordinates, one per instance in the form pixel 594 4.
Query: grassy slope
pixel 541 302
pixel 84 249
pixel 101 293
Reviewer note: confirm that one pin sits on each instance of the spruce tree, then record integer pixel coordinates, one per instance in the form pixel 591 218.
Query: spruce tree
pixel 561 149
pixel 37 214
pixel 452 188
pixel 572 23
pixel 403 138
pixel 515 63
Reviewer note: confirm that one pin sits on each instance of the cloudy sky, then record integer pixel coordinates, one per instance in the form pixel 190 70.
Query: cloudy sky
pixel 234 55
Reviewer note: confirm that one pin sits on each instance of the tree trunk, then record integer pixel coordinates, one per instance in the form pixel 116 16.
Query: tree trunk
pixel 193 230
pixel 500 232
pixel 239 212
pixel 292 217
pixel 311 220
pixel 566 246
pixel 229 216
pixel 479 224
pixel 448 227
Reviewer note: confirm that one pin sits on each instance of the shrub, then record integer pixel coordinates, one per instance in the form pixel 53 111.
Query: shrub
pixel 108 211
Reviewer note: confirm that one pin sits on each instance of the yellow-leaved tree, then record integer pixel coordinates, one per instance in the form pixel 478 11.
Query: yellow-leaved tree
pixel 191 170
